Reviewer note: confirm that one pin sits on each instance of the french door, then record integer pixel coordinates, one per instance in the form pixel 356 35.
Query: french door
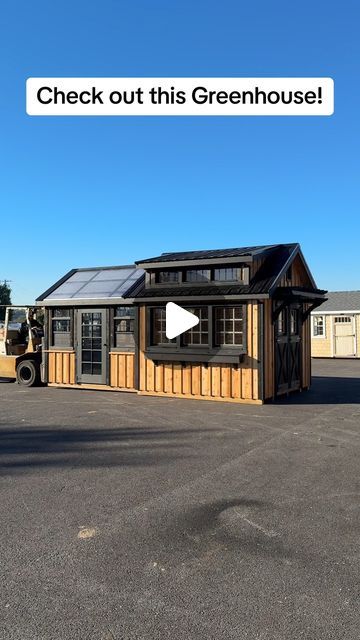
pixel 92 350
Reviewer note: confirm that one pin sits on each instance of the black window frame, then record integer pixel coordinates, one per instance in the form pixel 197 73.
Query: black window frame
pixel 151 325
pixel 178 350
pixel 225 321
pixel 131 318
pixel 203 280
pixel 67 314
pixel 209 273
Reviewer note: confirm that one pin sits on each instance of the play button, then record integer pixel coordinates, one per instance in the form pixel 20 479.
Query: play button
pixel 178 320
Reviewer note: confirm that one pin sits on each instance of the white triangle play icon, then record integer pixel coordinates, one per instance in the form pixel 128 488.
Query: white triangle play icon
pixel 178 320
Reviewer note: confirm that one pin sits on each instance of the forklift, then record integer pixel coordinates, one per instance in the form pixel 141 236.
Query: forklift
pixel 20 345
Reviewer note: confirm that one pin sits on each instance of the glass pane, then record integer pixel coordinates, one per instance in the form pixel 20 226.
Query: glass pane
pixel 229 274
pixel 61 325
pixel 61 313
pixel 197 275
pixel 86 343
pixel 124 311
pixel 115 274
pixel 96 343
pixel 96 369
pixel 96 330
pixel 168 276
pixel 86 368
pixel 96 356
pixel 86 356
pixel 86 330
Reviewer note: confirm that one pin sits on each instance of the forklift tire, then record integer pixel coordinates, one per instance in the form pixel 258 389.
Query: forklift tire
pixel 27 373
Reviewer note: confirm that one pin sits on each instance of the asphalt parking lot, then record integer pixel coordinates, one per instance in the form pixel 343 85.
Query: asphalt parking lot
pixel 126 517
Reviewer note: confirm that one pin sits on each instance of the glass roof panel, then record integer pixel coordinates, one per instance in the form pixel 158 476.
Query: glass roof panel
pixel 97 283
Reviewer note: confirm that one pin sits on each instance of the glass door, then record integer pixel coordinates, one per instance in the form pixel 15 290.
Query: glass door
pixel 92 348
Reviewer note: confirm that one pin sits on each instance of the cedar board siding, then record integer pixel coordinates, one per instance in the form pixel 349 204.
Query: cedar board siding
pixel 122 370
pixel 61 369
pixel 306 354
pixel 299 277
pixel 196 380
pixel 269 351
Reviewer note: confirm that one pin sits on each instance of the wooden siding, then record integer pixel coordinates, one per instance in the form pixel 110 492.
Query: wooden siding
pixel 122 370
pixel 61 367
pixel 306 354
pixel 299 276
pixel 269 351
pixel 195 380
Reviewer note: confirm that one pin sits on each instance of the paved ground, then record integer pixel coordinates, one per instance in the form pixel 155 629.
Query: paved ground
pixel 126 517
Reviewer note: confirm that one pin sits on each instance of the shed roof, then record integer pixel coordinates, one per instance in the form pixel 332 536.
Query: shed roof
pixel 277 258
pixel 209 254
pixel 340 301
pixel 94 286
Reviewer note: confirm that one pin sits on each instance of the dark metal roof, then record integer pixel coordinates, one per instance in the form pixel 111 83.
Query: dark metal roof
pixel 211 253
pixel 262 283
pixel 340 301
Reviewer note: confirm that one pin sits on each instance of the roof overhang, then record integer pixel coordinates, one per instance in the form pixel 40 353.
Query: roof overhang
pixel 85 302
pixel 338 312
pixel 174 264
pixel 202 299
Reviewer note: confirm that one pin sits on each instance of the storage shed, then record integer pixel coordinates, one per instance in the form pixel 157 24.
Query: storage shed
pixel 253 339
pixel 335 326
pixel 90 328
pixel 106 327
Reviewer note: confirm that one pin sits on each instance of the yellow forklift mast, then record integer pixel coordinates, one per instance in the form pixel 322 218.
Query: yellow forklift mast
pixel 20 345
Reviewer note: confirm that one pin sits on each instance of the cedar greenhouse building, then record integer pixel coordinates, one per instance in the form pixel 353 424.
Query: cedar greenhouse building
pixel 105 328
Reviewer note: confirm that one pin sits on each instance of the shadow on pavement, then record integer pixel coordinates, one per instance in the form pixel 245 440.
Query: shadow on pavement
pixel 95 447
pixel 327 390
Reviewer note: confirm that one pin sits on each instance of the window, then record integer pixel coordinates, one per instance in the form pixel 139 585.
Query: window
pixel 61 328
pixel 318 326
pixel 229 323
pixel 167 276
pixel 158 327
pixel 294 322
pixel 231 274
pixel 281 323
pixel 219 336
pixel 124 321
pixel 198 335
pixel 342 319
pixel 197 275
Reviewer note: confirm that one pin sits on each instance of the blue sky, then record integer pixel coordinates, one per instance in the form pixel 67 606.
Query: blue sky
pixel 104 190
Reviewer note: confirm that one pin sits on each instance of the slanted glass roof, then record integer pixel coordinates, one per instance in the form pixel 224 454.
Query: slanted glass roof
pixel 96 284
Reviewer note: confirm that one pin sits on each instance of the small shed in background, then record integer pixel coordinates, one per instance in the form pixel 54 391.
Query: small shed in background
pixel 335 326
